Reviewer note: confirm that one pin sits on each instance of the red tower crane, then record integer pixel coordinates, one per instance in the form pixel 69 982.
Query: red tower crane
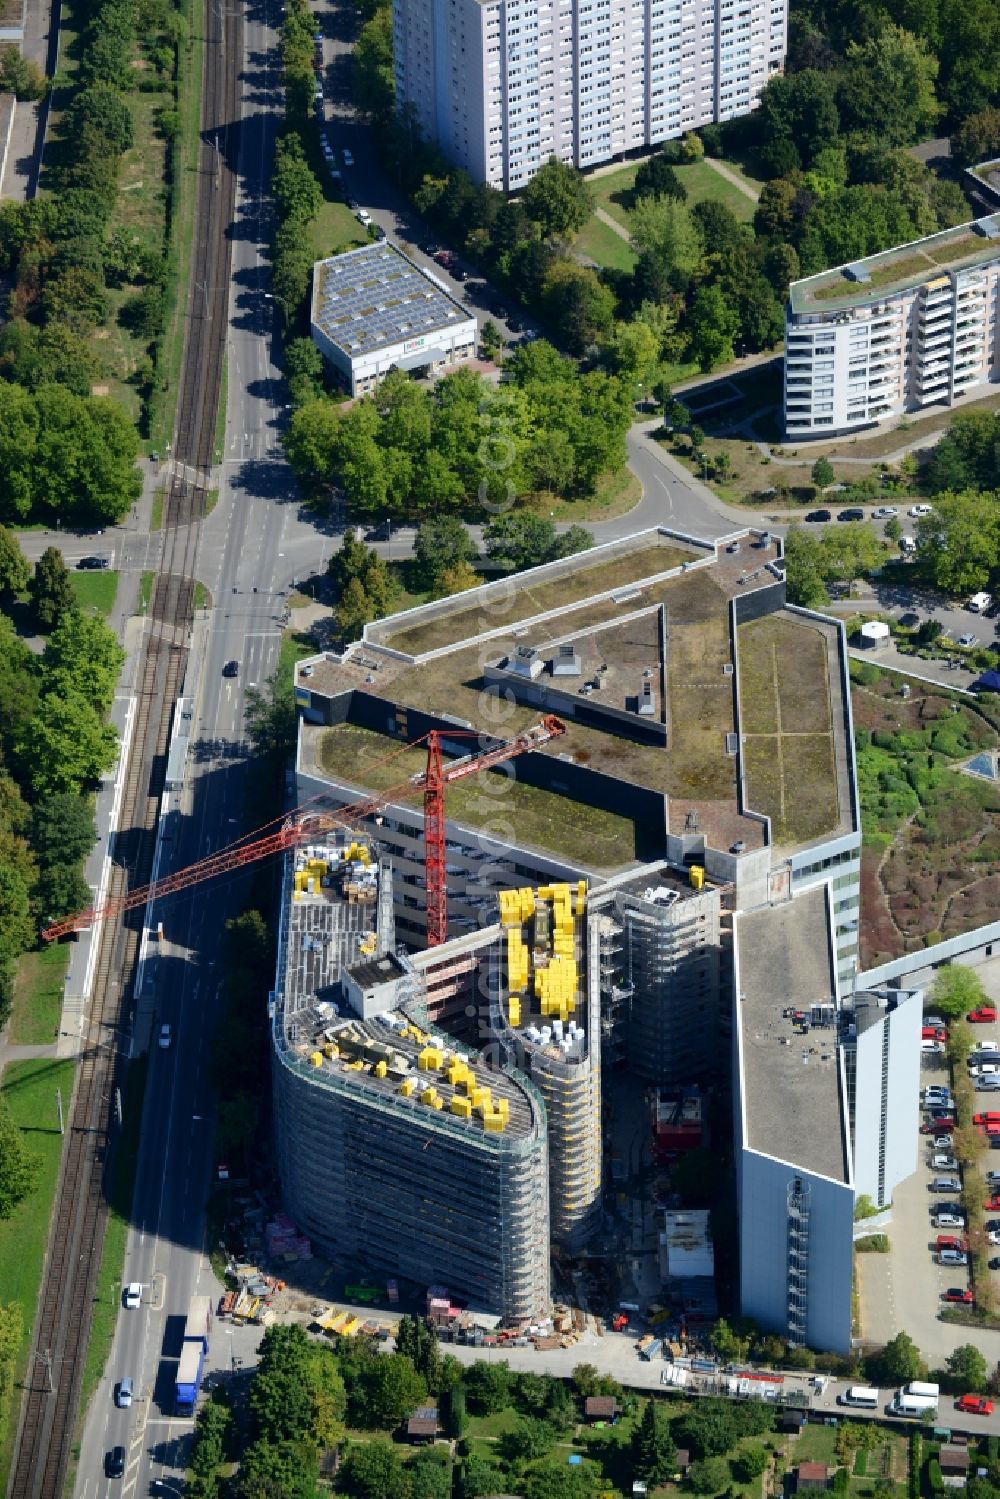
pixel 306 824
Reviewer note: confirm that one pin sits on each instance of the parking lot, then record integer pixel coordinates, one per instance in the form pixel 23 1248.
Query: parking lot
pixel 903 1291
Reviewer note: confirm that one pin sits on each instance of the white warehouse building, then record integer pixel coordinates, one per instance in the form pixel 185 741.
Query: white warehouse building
pixel 912 327
pixel 373 311
pixel 502 85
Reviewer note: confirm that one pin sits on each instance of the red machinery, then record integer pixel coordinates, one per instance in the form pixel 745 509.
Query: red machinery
pixel 307 824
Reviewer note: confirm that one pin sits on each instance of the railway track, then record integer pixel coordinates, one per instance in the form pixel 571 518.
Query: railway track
pixel 51 1396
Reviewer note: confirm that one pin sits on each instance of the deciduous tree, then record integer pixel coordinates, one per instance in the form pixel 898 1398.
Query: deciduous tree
pixel 52 596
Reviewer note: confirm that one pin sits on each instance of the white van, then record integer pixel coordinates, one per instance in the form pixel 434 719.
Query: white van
pixel 922 1387
pixel 907 545
pixel 913 1405
pixel 979 603
pixel 861 1396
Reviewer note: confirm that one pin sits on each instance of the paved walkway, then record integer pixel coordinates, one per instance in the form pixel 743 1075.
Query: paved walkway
pixel 612 224
pixel 734 177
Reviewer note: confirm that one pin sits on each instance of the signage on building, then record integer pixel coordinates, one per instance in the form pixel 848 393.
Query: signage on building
pixel 413 343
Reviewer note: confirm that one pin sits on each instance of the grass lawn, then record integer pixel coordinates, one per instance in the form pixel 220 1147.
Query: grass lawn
pixel 615 494
pixel 603 246
pixel 503 808
pixel 95 591
pixel 295 646
pixel 145 593
pixel 30 1090
pixel 38 996
pixel 335 228
pixel 156 514
pixel 202 597
pixel 788 743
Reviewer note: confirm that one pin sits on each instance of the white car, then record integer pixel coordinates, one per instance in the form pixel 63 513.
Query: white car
pixel 363 217
pixel 943 1161
pixel 884 512
pixel 165 1037
pixel 133 1295
pixel 984 1046
pixel 932 1048
pixel 987 1069
pixel 348 158
pixel 919 510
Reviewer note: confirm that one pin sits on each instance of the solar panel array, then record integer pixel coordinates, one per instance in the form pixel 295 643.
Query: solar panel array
pixel 373 297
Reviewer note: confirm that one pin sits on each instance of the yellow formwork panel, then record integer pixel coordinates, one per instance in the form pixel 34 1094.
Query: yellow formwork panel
pixel 482 1099
pixel 431 1059
pixel 316 1059
pixel 493 1123
pixel 515 1009
pixel 697 877
pixel 380 1069
pixel 461 1106
pixel 503 1108
pixel 428 1095
pixel 406 1087
pixel 356 1065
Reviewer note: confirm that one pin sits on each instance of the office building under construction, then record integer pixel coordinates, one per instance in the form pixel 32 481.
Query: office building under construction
pixel 396 1147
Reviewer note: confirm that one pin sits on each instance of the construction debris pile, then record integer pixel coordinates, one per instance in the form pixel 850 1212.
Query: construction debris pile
pixel 284 1241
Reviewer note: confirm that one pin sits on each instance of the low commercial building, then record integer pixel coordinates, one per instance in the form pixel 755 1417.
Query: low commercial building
pixel 373 311
pixel 912 327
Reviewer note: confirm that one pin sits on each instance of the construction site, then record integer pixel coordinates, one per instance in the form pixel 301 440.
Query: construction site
pixel 504 993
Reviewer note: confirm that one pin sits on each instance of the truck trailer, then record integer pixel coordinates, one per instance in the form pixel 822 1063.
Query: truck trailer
pixel 197 1328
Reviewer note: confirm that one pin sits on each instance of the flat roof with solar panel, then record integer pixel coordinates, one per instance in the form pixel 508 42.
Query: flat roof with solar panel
pixel 373 302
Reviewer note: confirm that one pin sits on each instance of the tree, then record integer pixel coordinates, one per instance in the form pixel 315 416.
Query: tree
pixel 18 1166
pixel 373 83
pixel 887 88
pixel 66 746
pixel 374 1470
pixel 893 528
pixel 822 472
pixel 977 138
pixel 490 339
pixel 656 178
pixel 529 1438
pixel 799 109
pixel 960 542
pixel 727 1344
pixel 957 990
pixel 653 1450
pixel 83 656
pixel 578 302
pixel 664 228
pixel 559 199
pixel 279 1470
pixel 555 1480
pixel 751 1463
pixel 15 570
pixel 441 542
pixel 708 1429
pixel 390 1389
pixel 455 1414
pixel 480 1477
pixel 21 76
pixel 51 591
pixel 712 326
pixel 294 184
pixel 212 1435
pixel 520 539
pixel 487 1387
pixel 430 1474
pixel 458 579
pixel 850 551
pixel 967 1367
pixel 899 1361
pixel 709 1475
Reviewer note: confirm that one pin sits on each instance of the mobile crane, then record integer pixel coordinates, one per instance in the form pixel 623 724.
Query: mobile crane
pixel 308 823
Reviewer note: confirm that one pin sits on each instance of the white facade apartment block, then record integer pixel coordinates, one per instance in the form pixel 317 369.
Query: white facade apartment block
pixel 502 85
pixel 912 327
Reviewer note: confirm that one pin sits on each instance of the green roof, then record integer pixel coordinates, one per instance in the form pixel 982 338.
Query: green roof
pixel 879 276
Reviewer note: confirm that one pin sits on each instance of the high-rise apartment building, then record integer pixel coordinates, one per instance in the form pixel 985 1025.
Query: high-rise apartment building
pixel 912 327
pixel 502 85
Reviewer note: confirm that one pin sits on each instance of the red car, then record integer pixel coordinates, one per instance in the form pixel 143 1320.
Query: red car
pixel 991 1119
pixel 937 1126
pixel 974 1405
pixel 983 1015
pixel 933 1033
pixel 955 1293
pixel 992 1204
pixel 951 1241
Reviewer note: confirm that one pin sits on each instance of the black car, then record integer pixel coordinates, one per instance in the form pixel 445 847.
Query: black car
pixel 909 620
pixel 431 250
pixel 231 669
pixel 819 515
pixel 851 514
pixel 114 1463
pixel 458 273
pixel 380 533
pixel 92 564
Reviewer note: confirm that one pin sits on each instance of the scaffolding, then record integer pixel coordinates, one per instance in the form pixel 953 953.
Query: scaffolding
pixel 547 1005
